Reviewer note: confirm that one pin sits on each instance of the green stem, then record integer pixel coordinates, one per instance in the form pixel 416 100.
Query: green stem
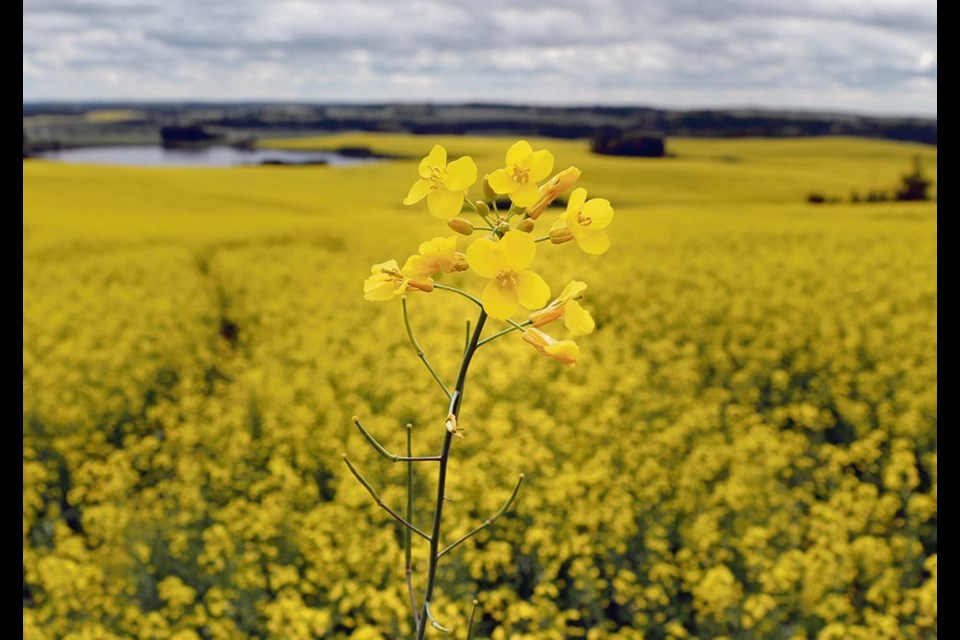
pixel 473 612
pixel 381 503
pixel 407 541
pixel 392 457
pixel 515 327
pixel 460 292
pixel 416 347
pixel 486 523
pixel 542 239
pixel 454 409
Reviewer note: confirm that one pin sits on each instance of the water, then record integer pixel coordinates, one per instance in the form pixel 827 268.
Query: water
pixel 156 156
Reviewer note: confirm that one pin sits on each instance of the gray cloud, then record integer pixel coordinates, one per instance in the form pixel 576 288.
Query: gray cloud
pixel 876 56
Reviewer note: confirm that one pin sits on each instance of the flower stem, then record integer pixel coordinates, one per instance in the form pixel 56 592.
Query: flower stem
pixel 486 523
pixel 454 409
pixel 515 327
pixel 460 292
pixel 380 503
pixel 419 350
pixel 407 541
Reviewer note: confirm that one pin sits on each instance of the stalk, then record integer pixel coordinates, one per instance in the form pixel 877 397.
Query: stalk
pixel 455 399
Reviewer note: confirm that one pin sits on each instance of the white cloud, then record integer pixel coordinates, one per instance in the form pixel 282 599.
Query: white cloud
pixel 854 55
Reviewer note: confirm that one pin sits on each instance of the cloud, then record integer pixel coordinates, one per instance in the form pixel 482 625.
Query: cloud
pixel 877 56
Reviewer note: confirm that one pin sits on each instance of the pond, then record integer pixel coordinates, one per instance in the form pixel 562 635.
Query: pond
pixel 216 156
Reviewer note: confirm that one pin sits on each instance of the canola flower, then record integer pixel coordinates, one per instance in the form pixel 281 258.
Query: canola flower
pixel 584 221
pixel 502 258
pixel 525 168
pixel 442 184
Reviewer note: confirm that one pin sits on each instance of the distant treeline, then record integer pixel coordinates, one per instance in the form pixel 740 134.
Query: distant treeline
pixel 492 119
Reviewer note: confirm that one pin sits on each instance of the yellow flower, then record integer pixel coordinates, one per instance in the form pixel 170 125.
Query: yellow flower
pixel 386 282
pixel 439 254
pixel 564 351
pixel 553 188
pixel 575 318
pixel 525 168
pixel 511 284
pixel 442 184
pixel 584 221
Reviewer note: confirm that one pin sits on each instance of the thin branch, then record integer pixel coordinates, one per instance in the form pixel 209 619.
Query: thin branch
pixel 466 295
pixel 542 239
pixel 381 503
pixel 473 612
pixel 392 457
pixel 515 327
pixel 466 340
pixel 419 350
pixel 407 542
pixel 486 523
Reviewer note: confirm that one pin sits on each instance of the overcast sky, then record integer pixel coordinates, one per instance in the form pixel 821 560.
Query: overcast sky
pixel 872 56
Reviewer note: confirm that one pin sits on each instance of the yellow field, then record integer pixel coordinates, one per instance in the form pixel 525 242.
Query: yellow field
pixel 746 449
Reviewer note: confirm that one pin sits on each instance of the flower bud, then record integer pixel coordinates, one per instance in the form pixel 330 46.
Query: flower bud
pixel 482 208
pixel 487 189
pixel 560 234
pixel 553 188
pixel 461 226
pixel 526 225
pixel 502 228
pixel 420 285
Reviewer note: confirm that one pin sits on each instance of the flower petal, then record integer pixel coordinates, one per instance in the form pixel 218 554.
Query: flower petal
pixel 445 204
pixel 532 290
pixel 389 265
pixel 501 182
pixel 577 319
pixel 499 302
pixel 519 250
pixel 541 165
pixel 438 245
pixel 593 242
pixel 461 173
pixel 485 258
pixel 436 158
pixel 573 289
pixel 599 211
pixel 419 191
pixel 577 197
pixel 518 152
pixel 415 267
pixel 526 195
pixel 565 351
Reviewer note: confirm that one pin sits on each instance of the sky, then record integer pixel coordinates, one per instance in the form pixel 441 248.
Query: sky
pixel 858 56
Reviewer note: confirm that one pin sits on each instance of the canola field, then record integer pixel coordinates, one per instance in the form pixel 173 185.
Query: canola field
pixel 747 447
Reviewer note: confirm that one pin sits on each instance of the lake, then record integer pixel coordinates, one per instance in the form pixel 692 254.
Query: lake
pixel 218 156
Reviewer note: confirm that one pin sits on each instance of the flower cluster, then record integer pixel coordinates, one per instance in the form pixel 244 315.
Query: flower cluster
pixel 504 254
